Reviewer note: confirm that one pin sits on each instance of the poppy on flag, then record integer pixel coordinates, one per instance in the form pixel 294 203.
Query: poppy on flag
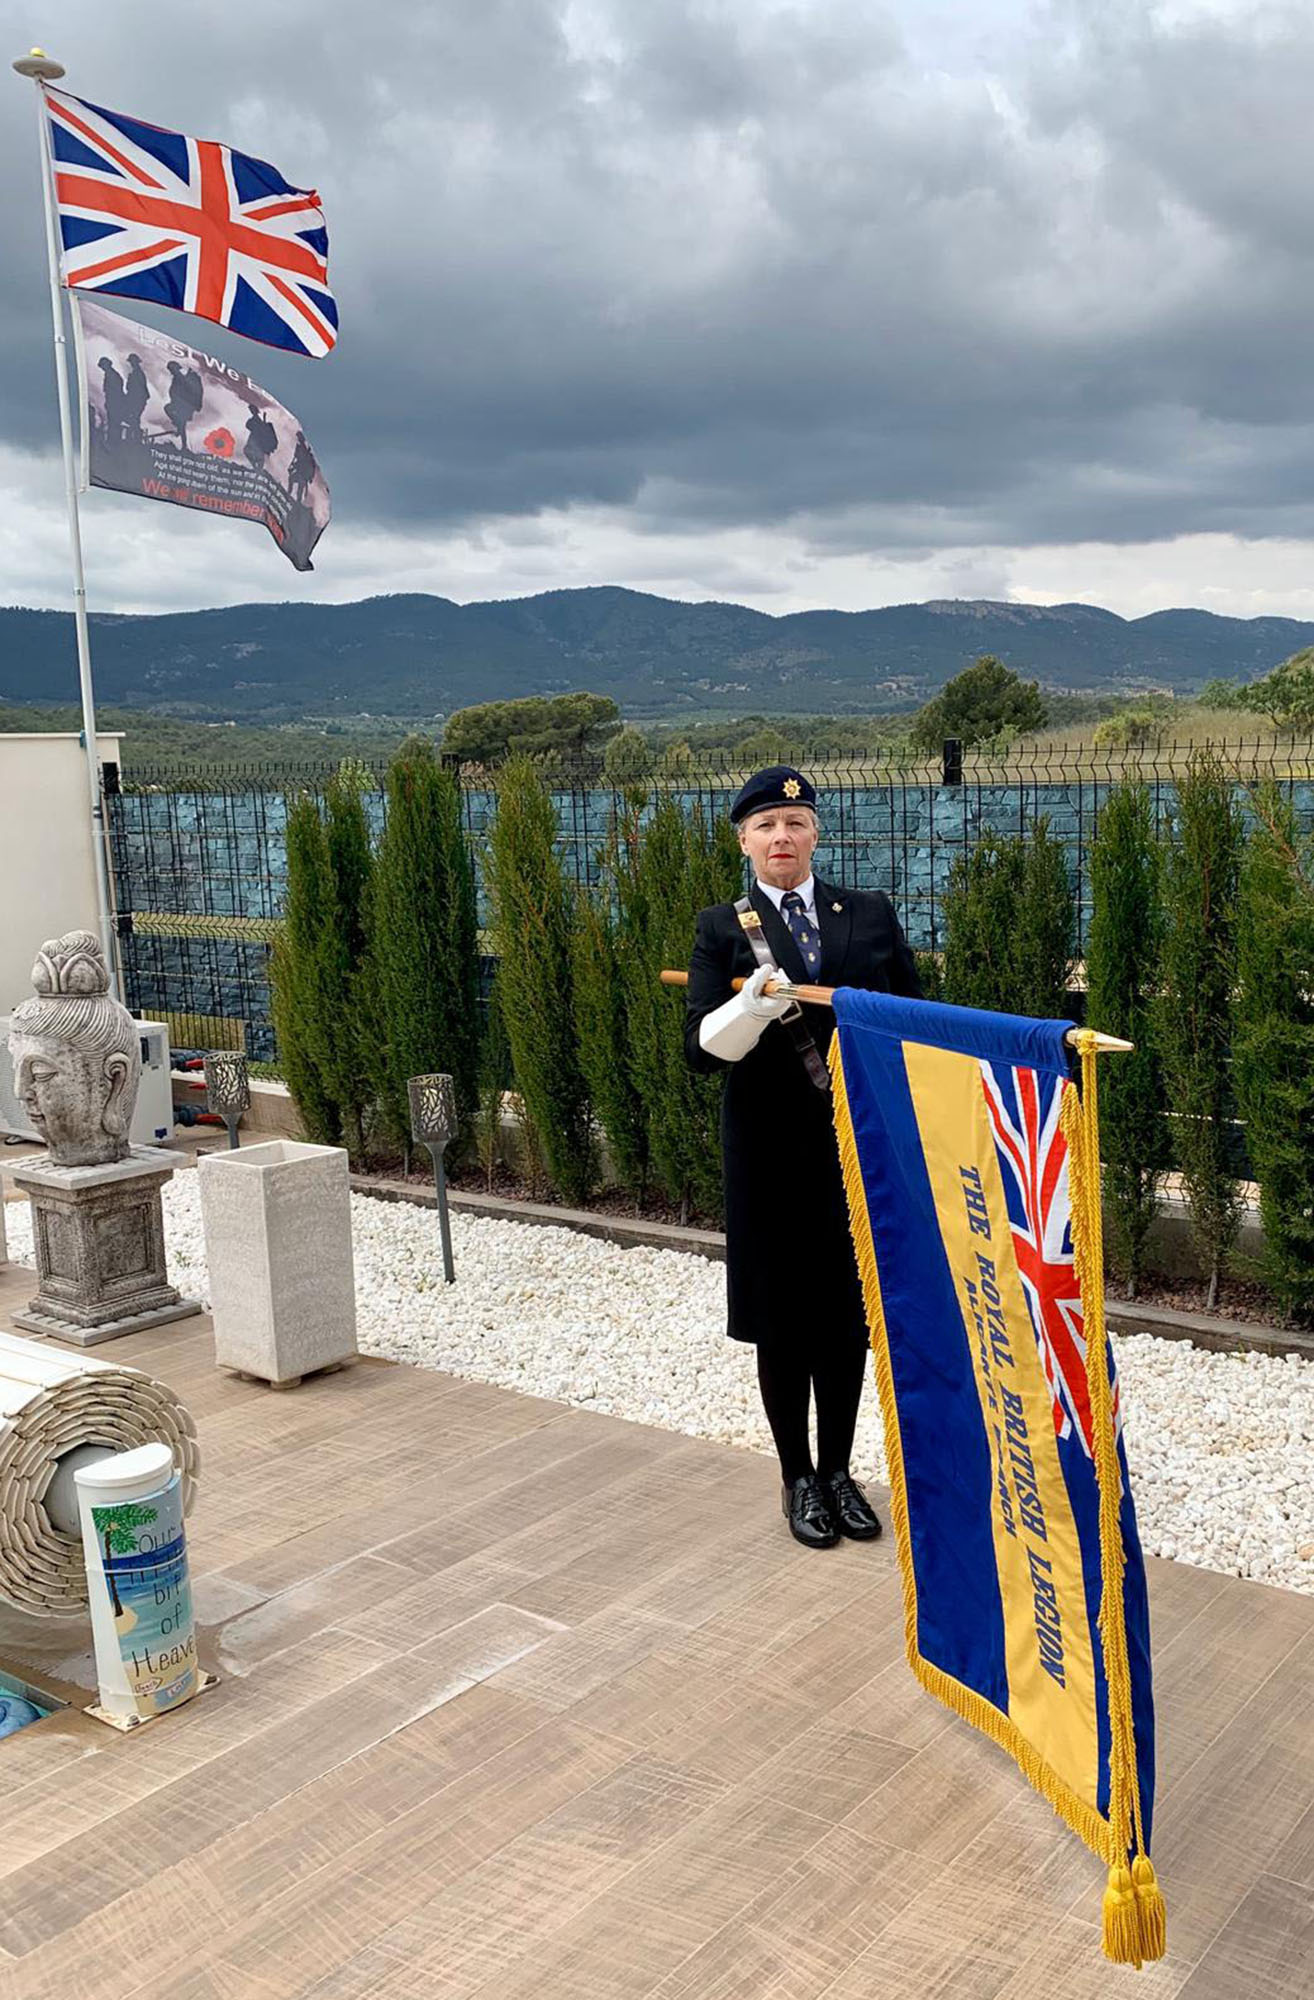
pixel 189 223
pixel 971 1166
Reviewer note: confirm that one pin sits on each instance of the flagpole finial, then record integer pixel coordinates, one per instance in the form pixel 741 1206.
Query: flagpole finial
pixel 36 63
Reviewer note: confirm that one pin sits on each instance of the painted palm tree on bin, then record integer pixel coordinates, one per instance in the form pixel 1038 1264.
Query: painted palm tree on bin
pixel 117 1527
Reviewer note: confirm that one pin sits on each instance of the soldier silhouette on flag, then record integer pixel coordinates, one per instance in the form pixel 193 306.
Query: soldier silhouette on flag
pixel 185 398
pixel 116 407
pixel 136 395
pixel 301 472
pixel 261 440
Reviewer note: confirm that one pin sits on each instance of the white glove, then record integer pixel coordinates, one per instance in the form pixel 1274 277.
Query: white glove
pixel 763 1006
pixel 730 1031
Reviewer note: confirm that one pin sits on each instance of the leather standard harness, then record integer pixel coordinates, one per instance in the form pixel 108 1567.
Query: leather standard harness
pixel 809 1054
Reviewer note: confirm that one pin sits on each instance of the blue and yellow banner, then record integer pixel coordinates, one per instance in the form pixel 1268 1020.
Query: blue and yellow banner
pixel 971 1162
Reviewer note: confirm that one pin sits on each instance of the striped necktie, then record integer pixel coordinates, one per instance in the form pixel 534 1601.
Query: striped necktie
pixel 801 930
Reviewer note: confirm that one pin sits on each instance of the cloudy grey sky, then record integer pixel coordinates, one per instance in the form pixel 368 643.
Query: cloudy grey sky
pixel 833 302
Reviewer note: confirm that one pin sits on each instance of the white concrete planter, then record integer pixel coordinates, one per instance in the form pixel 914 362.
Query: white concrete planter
pixel 277 1221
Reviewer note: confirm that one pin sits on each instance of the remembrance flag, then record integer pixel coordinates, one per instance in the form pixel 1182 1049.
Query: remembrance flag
pixel 188 223
pixel 168 422
pixel 971 1163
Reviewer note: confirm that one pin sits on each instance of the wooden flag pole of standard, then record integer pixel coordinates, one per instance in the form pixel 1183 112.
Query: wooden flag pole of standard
pixel 42 69
pixel 822 996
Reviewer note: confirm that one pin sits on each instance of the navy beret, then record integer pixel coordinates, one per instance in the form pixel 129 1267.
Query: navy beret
pixel 778 785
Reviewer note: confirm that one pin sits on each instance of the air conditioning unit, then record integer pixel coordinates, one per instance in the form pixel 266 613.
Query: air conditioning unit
pixel 152 1121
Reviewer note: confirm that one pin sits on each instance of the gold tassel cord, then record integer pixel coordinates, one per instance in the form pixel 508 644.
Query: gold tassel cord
pixel 1134 1918
pixel 1151 1914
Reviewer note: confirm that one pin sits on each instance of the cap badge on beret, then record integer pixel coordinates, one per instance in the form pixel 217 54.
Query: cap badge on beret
pixel 792 788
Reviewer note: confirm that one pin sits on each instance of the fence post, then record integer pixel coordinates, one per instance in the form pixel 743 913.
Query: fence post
pixel 951 762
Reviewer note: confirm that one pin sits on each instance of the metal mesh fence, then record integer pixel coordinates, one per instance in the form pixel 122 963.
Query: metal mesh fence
pixel 200 857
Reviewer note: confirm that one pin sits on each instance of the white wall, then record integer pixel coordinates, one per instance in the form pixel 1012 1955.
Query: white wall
pixel 47 867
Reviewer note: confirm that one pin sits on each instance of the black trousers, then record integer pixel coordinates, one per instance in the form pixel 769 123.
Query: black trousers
pixel 790 1376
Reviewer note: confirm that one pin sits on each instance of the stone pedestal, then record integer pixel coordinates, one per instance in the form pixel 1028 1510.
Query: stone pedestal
pixel 278 1245
pixel 99 1248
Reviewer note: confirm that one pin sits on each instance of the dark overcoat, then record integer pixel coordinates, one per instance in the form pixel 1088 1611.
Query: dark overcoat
pixel 790 1267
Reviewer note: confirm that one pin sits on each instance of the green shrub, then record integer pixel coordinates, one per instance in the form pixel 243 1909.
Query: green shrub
pixel 763 748
pixel 1275 1043
pixel 1200 875
pixel 980 911
pixel 1131 729
pixel 627 759
pixel 349 1032
pixel 1045 929
pixel 930 970
pixel 602 1029
pixel 533 922
pixel 1009 918
pixel 676 762
pixel 1123 955
pixel 495 1079
pixel 671 867
pixel 423 977
pixel 302 974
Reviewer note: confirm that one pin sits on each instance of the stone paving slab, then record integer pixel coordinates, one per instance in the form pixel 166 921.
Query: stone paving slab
pixel 518 1699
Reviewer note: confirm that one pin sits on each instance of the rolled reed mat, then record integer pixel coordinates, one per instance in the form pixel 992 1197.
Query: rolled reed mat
pixel 53 1403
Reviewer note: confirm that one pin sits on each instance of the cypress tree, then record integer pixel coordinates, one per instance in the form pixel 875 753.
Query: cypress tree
pixel 1122 967
pixel 346 1052
pixel 423 977
pixel 671 868
pixel 1044 930
pixel 301 973
pixel 533 923
pixel 602 1029
pixel 495 1079
pixel 1201 868
pixel 1008 924
pixel 930 970
pixel 980 911
pixel 1275 1043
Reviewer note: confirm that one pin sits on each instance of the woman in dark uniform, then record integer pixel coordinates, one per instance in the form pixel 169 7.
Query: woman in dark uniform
pixel 791 1278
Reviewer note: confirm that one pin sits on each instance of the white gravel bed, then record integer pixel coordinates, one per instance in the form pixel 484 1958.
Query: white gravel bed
pixel 1221 1446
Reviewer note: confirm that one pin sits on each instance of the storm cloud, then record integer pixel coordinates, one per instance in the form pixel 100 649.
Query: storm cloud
pixel 876 285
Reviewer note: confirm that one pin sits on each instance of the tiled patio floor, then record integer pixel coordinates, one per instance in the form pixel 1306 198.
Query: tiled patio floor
pixel 523 1701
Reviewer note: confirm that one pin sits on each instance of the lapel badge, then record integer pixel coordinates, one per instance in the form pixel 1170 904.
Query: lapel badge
pixel 837 907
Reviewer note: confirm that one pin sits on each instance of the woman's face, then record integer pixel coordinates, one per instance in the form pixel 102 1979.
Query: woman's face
pixel 779 843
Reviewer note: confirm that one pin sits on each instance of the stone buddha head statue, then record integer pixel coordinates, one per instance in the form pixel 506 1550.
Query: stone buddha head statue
pixel 76 1055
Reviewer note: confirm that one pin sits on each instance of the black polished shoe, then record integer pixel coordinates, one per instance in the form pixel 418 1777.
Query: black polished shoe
pixel 853 1512
pixel 807 1510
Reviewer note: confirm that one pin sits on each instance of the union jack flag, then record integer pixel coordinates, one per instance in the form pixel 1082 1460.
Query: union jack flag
pixel 1033 1160
pixel 189 223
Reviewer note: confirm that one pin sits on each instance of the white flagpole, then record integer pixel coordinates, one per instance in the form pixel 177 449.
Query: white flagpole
pixel 43 69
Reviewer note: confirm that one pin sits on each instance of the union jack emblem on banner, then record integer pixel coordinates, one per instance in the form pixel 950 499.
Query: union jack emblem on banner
pixel 152 214
pixel 1033 1161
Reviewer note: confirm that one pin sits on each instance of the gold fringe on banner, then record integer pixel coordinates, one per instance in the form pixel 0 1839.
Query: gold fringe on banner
pixel 1134 1919
pixel 1134 1928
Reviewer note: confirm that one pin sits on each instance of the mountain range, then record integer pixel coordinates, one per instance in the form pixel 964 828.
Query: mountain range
pixel 422 657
